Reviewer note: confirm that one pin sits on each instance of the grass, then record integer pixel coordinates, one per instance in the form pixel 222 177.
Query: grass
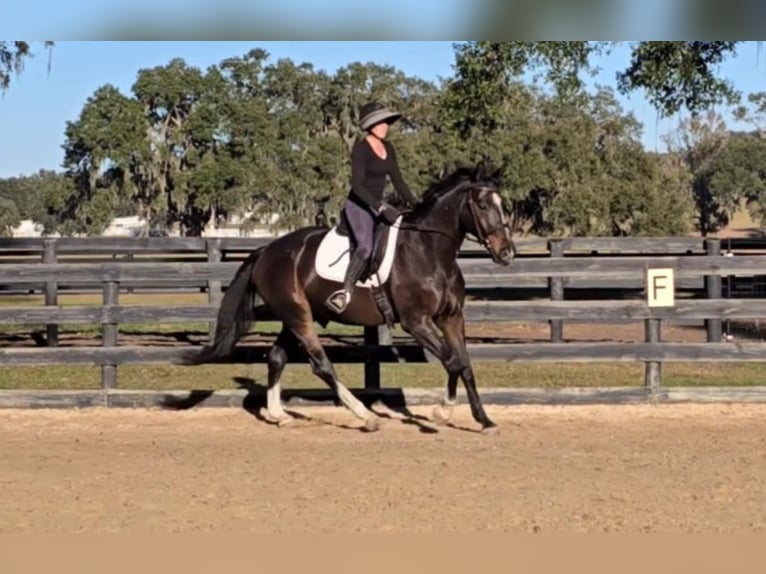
pixel 299 376
pixel 489 374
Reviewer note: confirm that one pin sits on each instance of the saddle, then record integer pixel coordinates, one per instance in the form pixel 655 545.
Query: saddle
pixel 379 244
pixel 332 259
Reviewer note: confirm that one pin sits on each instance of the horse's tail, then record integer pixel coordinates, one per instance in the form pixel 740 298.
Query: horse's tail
pixel 235 316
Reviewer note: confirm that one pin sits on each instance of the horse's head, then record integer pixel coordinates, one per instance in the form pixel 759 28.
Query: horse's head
pixel 475 198
pixel 484 217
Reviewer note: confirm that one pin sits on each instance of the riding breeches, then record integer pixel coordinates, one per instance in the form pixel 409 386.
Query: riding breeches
pixel 361 223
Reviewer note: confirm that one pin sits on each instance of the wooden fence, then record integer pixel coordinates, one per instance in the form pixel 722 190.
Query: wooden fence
pixel 548 269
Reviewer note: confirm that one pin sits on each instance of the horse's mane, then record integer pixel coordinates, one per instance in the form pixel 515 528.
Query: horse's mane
pixel 442 186
pixel 459 178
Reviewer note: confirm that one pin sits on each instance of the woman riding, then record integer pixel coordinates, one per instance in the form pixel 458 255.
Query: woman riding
pixel 372 159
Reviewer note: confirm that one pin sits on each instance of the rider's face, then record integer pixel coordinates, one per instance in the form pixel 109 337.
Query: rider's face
pixel 380 130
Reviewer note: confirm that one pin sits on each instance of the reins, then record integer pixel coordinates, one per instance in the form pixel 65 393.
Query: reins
pixel 426 229
pixel 481 239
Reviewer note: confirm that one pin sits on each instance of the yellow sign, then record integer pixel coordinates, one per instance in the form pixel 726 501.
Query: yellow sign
pixel 660 288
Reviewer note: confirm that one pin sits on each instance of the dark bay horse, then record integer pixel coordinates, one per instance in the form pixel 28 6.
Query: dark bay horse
pixel 424 285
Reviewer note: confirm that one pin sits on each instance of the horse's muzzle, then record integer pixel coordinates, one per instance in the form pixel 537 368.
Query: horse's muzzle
pixel 504 256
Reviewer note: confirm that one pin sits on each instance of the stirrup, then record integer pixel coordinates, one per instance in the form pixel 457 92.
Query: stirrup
pixel 335 305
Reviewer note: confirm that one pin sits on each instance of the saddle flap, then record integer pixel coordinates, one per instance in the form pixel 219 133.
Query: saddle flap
pixel 379 244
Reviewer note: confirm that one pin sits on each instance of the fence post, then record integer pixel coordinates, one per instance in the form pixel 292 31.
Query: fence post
pixel 713 288
pixel 110 331
pixel 556 287
pixel 373 337
pixel 653 369
pixel 214 291
pixel 51 292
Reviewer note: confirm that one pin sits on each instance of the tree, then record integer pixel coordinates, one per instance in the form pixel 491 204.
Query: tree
pixel 737 174
pixel 697 141
pixel 679 76
pixel 104 153
pixel 675 76
pixel 572 161
pixel 9 216
pixel 28 195
pixel 13 55
pixel 756 115
pixel 188 147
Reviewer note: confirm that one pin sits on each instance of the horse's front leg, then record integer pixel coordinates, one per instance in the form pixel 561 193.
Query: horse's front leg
pixel 454 359
pixel 453 329
pixel 442 412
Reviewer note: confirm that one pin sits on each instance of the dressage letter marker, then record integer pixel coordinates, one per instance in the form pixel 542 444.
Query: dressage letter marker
pixel 660 288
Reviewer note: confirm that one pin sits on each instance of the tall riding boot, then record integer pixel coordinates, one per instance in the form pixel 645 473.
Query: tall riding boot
pixel 340 299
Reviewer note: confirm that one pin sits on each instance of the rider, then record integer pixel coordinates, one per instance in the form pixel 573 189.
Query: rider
pixel 372 158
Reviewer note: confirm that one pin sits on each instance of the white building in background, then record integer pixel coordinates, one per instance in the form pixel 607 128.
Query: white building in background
pixel 28 228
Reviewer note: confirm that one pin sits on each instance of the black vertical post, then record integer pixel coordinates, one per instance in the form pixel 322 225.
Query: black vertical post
pixel 713 284
pixel 51 292
pixel 374 337
pixel 214 290
pixel 556 287
pixel 110 331
pixel 653 369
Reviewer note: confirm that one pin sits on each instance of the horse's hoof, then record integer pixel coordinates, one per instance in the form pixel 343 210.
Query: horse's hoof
pixel 372 424
pixel 279 421
pixel 440 417
pixel 489 431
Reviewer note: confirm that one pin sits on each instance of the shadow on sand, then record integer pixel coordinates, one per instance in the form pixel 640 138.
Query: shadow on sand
pixel 255 400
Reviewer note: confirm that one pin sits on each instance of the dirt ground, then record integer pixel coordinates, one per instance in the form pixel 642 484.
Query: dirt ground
pixel 669 468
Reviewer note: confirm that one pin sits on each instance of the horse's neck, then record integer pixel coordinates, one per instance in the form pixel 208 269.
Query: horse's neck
pixel 441 224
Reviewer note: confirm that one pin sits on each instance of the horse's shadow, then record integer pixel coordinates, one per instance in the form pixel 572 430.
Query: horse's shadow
pixel 255 401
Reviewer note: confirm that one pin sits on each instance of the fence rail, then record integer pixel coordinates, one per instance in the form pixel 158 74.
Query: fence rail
pixel 184 251
pixel 476 272
pixel 110 245
pixel 556 265
pixel 474 311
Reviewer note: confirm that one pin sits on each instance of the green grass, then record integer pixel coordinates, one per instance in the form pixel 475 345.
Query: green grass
pixel 489 374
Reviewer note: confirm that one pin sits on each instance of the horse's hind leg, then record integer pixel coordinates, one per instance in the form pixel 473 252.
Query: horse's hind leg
pixel 323 368
pixel 276 361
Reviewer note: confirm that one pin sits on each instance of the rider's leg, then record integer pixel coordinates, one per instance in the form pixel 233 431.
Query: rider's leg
pixel 361 224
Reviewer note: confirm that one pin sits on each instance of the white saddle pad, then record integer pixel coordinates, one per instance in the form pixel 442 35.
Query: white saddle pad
pixel 333 256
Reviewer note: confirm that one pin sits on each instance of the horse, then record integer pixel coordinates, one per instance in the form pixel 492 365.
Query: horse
pixel 414 266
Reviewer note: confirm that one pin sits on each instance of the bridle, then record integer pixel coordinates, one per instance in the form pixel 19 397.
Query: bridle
pixel 482 234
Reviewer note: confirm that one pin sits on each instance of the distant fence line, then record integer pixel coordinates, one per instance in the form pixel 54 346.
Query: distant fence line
pixel 554 266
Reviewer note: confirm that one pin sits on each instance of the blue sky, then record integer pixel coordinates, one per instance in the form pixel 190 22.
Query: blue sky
pixel 282 20
pixel 34 111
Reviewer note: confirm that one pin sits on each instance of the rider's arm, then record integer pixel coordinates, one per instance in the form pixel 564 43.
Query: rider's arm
pixel 396 178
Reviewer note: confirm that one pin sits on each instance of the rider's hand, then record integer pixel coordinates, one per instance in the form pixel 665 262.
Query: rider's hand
pixel 388 212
